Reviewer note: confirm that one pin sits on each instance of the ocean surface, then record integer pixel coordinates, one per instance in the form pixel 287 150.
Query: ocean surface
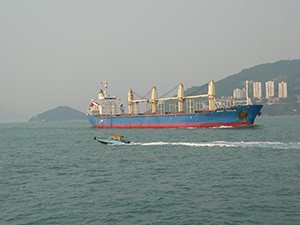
pixel 56 173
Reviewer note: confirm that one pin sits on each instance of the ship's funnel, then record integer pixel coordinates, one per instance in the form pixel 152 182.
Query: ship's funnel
pixel 100 95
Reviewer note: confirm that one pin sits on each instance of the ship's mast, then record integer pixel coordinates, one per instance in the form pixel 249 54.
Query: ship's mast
pixel 105 87
pixel 180 97
pixel 154 100
pixel 130 101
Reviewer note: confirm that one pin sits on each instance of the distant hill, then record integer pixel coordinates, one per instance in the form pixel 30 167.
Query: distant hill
pixel 284 70
pixel 8 116
pixel 61 113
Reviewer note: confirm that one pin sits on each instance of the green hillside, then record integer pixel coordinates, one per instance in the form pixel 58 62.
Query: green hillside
pixel 284 70
pixel 61 113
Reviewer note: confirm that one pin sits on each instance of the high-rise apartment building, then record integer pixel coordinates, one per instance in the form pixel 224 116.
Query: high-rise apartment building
pixel 238 93
pixel 269 89
pixel 282 90
pixel 257 90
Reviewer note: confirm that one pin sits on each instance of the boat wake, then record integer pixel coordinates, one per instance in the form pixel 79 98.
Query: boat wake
pixel 241 144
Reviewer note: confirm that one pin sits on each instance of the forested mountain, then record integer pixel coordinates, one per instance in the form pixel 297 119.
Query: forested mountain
pixel 284 70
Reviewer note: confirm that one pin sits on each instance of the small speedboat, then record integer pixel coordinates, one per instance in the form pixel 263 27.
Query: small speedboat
pixel 113 140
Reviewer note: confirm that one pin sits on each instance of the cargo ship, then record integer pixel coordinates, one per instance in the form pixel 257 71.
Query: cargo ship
pixel 111 112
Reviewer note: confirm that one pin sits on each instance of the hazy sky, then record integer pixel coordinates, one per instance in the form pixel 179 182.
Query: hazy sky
pixel 56 53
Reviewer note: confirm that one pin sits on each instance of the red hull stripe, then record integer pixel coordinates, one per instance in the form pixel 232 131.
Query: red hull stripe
pixel 174 125
pixel 102 142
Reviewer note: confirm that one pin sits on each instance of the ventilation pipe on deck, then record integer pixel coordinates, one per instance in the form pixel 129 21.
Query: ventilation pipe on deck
pixel 180 97
pixel 130 103
pixel 211 95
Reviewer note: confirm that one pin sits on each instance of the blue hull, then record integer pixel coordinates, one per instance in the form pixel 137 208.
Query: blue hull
pixel 109 142
pixel 236 116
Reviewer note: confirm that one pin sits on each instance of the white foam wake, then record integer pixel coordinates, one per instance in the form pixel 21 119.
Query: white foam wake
pixel 241 144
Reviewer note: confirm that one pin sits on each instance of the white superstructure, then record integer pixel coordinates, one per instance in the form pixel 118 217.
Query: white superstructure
pixel 106 105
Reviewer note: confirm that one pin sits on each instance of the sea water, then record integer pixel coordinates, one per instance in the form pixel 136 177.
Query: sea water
pixel 56 173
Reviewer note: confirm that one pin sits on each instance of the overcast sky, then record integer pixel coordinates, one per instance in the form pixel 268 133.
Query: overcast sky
pixel 56 53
